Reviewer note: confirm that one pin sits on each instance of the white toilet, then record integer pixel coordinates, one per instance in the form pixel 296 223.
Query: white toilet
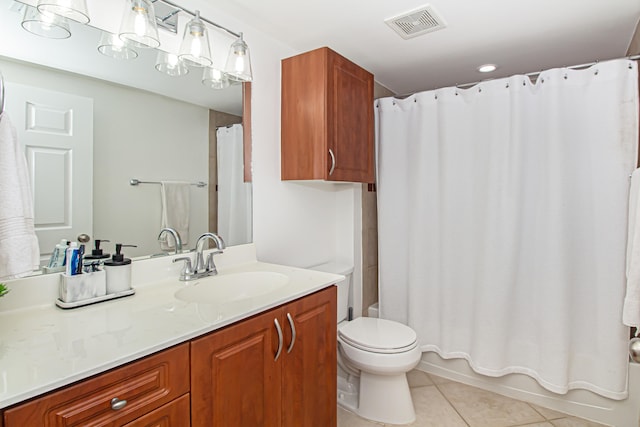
pixel 374 356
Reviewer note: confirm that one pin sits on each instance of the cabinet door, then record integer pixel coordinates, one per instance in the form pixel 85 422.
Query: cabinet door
pixel 309 364
pixel 139 388
pixel 173 414
pixel 326 118
pixel 235 380
pixel 350 121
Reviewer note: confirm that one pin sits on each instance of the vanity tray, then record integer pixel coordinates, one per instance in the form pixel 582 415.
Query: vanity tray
pixel 84 302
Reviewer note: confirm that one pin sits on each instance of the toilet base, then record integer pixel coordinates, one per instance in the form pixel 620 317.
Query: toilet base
pixel 348 390
pixel 385 399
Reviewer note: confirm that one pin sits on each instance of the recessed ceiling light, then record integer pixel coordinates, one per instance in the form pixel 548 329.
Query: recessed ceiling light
pixel 487 68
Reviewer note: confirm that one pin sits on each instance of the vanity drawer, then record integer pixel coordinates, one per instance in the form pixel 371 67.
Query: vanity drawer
pixel 174 414
pixel 146 385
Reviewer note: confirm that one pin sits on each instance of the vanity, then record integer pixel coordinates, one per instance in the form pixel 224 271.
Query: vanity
pixel 253 346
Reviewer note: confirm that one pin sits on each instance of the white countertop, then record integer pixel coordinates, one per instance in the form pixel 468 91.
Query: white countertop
pixel 43 347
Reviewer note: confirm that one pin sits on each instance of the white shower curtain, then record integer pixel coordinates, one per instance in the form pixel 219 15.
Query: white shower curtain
pixel 234 195
pixel 502 215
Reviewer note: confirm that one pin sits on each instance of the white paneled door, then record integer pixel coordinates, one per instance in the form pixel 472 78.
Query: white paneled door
pixel 56 130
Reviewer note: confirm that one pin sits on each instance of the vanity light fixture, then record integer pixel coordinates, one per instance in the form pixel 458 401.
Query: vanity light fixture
pixel 45 24
pixel 138 25
pixel 215 78
pixel 239 61
pixel 170 64
pixel 487 68
pixel 195 49
pixel 75 10
pixel 113 46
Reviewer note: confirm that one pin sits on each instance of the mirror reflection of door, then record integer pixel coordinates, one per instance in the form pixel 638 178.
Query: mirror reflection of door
pixel 56 130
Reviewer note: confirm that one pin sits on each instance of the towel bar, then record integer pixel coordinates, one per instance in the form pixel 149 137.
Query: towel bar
pixel 134 181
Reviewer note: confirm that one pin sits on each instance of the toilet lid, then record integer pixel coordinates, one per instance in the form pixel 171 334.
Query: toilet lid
pixel 378 335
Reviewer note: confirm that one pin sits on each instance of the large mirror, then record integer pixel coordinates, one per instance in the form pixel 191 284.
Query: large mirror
pixel 141 125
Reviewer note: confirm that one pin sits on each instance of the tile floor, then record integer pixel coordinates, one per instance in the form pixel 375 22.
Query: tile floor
pixel 443 403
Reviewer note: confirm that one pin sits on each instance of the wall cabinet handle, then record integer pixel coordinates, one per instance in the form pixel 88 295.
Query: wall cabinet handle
pixel 280 339
pixel 117 404
pixel 333 162
pixel 293 332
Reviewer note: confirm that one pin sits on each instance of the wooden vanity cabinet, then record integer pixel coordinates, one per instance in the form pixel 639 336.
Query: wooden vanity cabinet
pixel 237 380
pixel 327 124
pixel 150 384
pixel 228 378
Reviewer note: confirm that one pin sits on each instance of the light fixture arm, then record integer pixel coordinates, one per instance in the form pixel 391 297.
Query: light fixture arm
pixel 221 27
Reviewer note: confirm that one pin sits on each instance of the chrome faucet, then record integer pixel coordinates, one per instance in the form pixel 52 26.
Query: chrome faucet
pixel 208 268
pixel 176 237
pixel 200 268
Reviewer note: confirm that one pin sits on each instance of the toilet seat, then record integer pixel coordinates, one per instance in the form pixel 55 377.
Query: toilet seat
pixel 378 335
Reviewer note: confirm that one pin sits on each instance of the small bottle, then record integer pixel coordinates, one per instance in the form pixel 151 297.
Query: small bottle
pixel 58 255
pixel 118 271
pixel 72 259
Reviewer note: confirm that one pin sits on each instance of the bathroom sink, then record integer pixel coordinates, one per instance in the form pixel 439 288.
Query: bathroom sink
pixel 232 287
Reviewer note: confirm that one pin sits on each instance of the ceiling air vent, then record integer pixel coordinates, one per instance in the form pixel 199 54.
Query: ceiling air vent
pixel 417 22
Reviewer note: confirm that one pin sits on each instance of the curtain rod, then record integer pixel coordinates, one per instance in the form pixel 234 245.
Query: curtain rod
pixel 535 73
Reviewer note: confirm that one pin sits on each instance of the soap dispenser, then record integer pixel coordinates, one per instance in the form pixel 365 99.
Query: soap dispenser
pixel 97 253
pixel 118 271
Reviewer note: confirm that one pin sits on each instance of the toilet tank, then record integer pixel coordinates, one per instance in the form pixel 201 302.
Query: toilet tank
pixel 344 286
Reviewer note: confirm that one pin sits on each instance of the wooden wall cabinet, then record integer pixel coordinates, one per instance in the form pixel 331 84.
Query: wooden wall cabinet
pixel 275 369
pixel 327 129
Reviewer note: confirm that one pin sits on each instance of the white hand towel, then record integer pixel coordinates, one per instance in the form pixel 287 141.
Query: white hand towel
pixel 19 251
pixel 631 308
pixel 175 211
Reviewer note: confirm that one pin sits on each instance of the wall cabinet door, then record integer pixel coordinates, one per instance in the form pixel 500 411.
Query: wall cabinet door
pixel 237 380
pixel 327 118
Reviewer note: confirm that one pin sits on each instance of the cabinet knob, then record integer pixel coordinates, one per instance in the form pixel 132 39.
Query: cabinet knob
pixel 117 404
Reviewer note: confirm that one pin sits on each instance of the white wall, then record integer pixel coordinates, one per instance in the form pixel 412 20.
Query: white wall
pixel 175 136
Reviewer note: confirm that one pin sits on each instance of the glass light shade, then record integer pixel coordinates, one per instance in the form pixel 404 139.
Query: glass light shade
pixel 239 62
pixel 215 79
pixel 195 49
pixel 112 46
pixel 138 25
pixel 72 9
pixel 45 24
pixel 170 64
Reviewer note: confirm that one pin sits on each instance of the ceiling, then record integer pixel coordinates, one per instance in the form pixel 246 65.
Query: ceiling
pixel 518 36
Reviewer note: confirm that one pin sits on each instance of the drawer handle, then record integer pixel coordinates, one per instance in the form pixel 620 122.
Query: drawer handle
pixel 117 404
pixel 280 340
pixel 333 162
pixel 293 333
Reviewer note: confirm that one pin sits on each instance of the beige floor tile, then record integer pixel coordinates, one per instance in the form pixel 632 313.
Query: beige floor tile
pixel 544 424
pixel 574 422
pixel 481 408
pixel 549 414
pixel 433 410
pixel 438 380
pixel 349 419
pixel 418 378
